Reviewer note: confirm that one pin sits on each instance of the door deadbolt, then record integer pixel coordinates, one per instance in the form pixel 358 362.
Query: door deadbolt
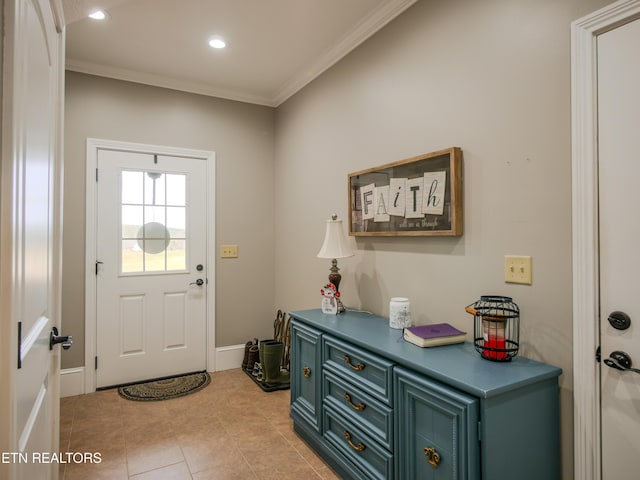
pixel 619 320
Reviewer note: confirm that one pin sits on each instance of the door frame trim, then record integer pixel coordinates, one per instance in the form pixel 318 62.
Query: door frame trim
pixel 586 329
pixel 93 145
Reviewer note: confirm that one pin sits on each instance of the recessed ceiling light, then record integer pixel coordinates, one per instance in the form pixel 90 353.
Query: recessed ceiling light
pixel 99 15
pixel 217 42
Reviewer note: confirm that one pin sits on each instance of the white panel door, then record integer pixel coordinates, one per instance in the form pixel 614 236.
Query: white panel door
pixel 151 272
pixel 619 177
pixel 30 225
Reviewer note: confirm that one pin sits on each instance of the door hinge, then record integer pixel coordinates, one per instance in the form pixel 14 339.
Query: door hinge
pixel 98 262
pixel 96 174
pixel 480 431
pixel 96 363
pixel 598 354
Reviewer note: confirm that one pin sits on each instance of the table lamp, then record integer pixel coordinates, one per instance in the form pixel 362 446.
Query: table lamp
pixel 334 247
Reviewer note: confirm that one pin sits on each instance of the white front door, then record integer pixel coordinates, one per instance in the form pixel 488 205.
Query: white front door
pixel 33 68
pixel 150 265
pixel 618 53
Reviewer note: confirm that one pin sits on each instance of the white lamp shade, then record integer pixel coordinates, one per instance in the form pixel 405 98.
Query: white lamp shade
pixel 335 242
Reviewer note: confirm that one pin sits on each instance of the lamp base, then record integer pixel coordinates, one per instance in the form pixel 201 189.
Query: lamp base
pixel 335 278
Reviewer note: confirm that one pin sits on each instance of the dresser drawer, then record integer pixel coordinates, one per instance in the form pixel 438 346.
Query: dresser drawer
pixel 360 450
pixel 371 415
pixel 373 374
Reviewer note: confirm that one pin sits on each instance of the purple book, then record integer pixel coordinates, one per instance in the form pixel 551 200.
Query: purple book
pixel 434 334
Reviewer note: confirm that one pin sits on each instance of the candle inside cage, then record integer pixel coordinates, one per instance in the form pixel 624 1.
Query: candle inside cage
pixel 494 342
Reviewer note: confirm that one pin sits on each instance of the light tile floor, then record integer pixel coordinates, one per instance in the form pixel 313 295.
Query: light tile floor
pixel 229 430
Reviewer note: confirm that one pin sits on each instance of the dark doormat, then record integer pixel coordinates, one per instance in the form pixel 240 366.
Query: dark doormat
pixel 165 388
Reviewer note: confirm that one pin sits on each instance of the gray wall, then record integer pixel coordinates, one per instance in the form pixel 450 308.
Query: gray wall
pixel 242 136
pixel 491 77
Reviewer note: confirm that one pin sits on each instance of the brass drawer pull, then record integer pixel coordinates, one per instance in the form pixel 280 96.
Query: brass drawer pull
pixel 306 371
pixel 358 448
pixel 357 368
pixel 361 406
pixel 433 457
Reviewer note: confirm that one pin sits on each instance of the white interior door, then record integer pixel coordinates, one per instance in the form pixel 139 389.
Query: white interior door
pixel 33 69
pixel 618 53
pixel 151 266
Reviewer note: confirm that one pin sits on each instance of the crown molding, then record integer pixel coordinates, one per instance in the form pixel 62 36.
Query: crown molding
pixel 164 82
pixel 361 32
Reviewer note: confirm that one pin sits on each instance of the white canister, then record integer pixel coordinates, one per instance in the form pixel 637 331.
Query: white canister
pixel 399 312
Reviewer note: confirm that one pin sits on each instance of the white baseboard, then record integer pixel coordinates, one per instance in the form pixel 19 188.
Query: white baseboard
pixel 72 379
pixel 71 382
pixel 229 357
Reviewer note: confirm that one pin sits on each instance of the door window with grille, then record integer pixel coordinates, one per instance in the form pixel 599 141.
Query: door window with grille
pixel 153 223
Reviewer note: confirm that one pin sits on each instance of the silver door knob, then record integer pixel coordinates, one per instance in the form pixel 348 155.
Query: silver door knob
pixel 198 282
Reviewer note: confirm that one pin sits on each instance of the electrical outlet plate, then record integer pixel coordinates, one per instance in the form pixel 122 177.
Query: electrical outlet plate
pixel 228 251
pixel 517 269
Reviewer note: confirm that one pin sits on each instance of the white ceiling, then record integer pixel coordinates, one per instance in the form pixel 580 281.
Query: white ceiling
pixel 275 47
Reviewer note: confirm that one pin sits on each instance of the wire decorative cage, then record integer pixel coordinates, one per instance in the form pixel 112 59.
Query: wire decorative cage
pixel 496 327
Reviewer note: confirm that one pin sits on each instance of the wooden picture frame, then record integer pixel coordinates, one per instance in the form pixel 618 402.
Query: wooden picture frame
pixel 418 196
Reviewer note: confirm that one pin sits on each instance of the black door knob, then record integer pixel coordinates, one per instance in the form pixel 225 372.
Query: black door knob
pixel 198 282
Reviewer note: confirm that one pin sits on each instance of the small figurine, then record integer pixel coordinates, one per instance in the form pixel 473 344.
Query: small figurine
pixel 329 295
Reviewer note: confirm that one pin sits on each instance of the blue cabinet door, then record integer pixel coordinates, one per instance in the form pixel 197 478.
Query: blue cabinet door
pixel 436 430
pixel 306 375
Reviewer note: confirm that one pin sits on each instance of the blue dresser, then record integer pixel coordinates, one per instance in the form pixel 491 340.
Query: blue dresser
pixel 377 407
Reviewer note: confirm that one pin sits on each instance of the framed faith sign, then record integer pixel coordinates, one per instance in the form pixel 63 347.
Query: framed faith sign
pixel 418 196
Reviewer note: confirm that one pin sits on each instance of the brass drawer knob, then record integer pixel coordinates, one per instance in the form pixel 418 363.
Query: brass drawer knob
pixel 361 406
pixel 433 457
pixel 357 368
pixel 358 448
pixel 306 371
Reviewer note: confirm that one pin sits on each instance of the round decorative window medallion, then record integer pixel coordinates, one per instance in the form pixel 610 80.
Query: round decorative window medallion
pixel 153 237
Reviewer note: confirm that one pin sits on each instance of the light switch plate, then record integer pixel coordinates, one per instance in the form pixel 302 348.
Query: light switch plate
pixel 517 269
pixel 228 251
